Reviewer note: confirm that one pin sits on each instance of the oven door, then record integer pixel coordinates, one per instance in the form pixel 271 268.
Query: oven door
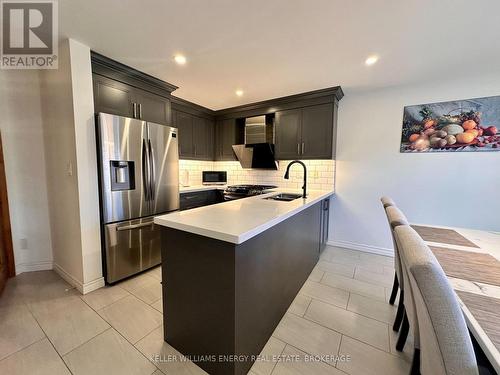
pixel 131 247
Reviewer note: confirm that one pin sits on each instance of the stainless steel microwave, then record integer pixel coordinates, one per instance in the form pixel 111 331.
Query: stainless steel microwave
pixel 214 177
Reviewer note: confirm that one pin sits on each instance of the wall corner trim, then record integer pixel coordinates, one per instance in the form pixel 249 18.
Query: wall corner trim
pixel 83 288
pixel 362 247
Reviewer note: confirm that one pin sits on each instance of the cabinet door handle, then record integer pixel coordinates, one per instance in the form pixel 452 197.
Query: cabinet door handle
pixel 134 110
pixel 298 148
pixel 140 111
pixel 303 147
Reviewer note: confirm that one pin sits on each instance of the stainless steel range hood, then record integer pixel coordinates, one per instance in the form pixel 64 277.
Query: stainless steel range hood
pixel 258 150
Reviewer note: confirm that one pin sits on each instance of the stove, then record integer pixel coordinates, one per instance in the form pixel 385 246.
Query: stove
pixel 242 191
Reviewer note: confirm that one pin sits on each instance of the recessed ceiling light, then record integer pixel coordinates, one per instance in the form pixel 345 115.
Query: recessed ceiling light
pixel 371 60
pixel 239 92
pixel 180 59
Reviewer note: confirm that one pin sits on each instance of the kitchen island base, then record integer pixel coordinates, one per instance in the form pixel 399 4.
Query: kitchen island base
pixel 222 301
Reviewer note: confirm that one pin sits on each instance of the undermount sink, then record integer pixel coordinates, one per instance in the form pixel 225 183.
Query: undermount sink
pixel 286 197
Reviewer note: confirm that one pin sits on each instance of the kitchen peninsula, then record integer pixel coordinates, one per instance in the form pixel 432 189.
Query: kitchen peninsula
pixel 231 270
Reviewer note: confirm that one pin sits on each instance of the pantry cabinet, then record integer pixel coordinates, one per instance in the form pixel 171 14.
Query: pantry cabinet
pixel 306 133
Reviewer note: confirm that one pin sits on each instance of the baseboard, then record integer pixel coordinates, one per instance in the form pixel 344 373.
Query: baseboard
pixel 93 285
pixel 83 288
pixel 362 247
pixel 36 266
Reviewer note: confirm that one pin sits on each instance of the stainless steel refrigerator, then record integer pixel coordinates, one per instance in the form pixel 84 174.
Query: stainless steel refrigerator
pixel 139 179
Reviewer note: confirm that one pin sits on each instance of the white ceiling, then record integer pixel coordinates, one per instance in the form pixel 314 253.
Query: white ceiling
pixel 272 48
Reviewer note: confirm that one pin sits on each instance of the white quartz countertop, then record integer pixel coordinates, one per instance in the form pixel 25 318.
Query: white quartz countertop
pixel 239 220
pixel 191 189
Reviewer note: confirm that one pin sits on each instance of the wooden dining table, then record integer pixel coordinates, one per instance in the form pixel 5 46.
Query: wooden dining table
pixel 471 261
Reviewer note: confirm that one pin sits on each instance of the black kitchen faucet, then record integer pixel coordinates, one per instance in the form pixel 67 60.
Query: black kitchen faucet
pixel 287 175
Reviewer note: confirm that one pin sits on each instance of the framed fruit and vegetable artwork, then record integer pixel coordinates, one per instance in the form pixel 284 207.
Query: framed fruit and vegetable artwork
pixel 460 125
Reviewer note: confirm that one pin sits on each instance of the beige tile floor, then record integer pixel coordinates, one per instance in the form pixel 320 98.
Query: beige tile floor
pixel 47 327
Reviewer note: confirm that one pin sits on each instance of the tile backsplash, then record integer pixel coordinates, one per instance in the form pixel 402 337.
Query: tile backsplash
pixel 320 173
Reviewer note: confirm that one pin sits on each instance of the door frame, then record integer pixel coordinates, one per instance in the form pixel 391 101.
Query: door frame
pixel 5 217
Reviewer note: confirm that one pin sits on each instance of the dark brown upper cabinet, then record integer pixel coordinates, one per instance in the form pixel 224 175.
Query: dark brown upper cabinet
pixel 113 97
pixel 121 99
pixel 152 107
pixel 305 124
pixel 287 133
pixel 306 133
pixel 184 123
pixel 226 136
pixel 124 91
pixel 196 136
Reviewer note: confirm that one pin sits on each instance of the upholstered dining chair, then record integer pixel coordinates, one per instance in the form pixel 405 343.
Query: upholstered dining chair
pixel 444 341
pixel 386 201
pixel 395 218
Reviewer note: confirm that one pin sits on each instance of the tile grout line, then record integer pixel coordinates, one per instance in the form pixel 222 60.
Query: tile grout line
pixel 111 326
pixel 382 350
pixel 141 353
pixel 311 354
pixel 345 308
pixel 86 341
pixel 307 308
pixel 118 332
pixel 119 299
pixel 26 347
pixel 369 296
pixel 371 282
pixel 281 353
pixel 338 351
pixel 51 343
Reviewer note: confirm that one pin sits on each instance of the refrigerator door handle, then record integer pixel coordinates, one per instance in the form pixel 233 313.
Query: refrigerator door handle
pixel 152 169
pixel 135 226
pixel 146 171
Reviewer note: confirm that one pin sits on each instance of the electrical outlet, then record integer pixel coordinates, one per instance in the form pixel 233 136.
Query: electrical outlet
pixel 23 243
pixel 69 168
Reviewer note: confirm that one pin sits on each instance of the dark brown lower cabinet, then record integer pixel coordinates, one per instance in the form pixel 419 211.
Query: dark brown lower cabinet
pixel 324 223
pixel 226 299
pixel 200 198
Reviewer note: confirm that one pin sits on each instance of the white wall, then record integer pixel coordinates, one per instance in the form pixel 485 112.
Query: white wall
pixel 62 183
pixel 454 189
pixel 22 133
pixel 72 168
